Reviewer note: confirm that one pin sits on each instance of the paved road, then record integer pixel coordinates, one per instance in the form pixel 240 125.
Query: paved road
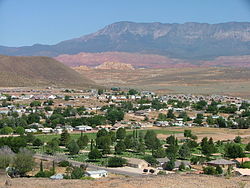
pixel 91 166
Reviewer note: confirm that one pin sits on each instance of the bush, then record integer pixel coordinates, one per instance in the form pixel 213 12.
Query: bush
pixel 116 162
pixel 210 170
pixel 77 173
pixel 237 139
pixel 44 174
pixel 246 164
pixel 64 163
pixel 161 172
pixel 169 165
pixel 248 147
pixel 182 167
pixel 219 170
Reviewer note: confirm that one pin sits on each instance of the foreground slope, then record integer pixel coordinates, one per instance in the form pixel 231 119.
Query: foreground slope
pixel 170 181
pixel 38 71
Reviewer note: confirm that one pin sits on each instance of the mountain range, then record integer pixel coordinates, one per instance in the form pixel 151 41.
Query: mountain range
pixel 188 41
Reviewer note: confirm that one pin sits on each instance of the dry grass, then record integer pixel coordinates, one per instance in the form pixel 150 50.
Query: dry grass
pixel 169 181
pixel 230 81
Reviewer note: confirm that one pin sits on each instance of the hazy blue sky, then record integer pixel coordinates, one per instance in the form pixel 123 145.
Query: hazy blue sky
pixel 26 22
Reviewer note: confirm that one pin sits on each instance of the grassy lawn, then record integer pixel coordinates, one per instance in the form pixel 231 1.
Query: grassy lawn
pixel 75 136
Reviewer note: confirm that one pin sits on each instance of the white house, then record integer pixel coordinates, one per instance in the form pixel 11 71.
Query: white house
pixel 97 173
pixel 83 128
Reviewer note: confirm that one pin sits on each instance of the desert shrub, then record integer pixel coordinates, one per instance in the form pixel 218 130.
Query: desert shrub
pixel 161 172
pixel 210 170
pixel 219 170
pixel 44 174
pixel 77 173
pixel 182 167
pixel 64 163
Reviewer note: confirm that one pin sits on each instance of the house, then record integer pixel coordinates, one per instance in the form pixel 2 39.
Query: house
pixel 177 163
pixel 136 163
pixel 83 128
pixel 46 130
pixel 30 130
pixel 223 163
pixel 242 172
pixel 97 173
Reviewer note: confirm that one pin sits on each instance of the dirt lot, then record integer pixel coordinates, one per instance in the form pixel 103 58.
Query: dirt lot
pixel 170 181
pixel 215 133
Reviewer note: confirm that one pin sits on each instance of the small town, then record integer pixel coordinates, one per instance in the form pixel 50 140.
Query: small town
pixel 97 133
pixel 125 94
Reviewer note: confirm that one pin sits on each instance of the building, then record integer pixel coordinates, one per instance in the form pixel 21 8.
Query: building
pixel 136 163
pixel 97 174
pixel 83 128
pixel 223 163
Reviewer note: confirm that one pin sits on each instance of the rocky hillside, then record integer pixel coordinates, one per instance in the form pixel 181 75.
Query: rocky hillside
pixel 184 41
pixel 115 65
pixel 135 59
pixel 38 71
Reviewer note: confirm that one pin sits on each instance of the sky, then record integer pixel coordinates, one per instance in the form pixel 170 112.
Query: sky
pixel 28 22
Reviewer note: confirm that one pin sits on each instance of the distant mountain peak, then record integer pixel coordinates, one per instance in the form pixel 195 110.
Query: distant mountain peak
pixel 191 40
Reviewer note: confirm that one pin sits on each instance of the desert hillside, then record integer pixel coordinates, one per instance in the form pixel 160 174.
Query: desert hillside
pixel 169 181
pixel 38 71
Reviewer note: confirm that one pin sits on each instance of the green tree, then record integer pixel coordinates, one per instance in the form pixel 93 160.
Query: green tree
pixel 19 130
pixel 169 165
pixel 187 133
pixel 37 142
pixel 248 147
pixel 116 162
pixel 233 150
pixel 151 160
pixel 121 133
pixel 65 138
pixel 6 130
pixel 94 154
pixel 24 162
pixel 184 151
pixel 35 104
pixel 170 114
pixel 114 115
pixel 102 132
pixel 159 153
pixel 120 147
pixel 83 141
pixel 151 140
pixel 52 146
pixel 73 147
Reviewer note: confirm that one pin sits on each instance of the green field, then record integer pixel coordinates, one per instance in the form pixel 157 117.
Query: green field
pixel 75 136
